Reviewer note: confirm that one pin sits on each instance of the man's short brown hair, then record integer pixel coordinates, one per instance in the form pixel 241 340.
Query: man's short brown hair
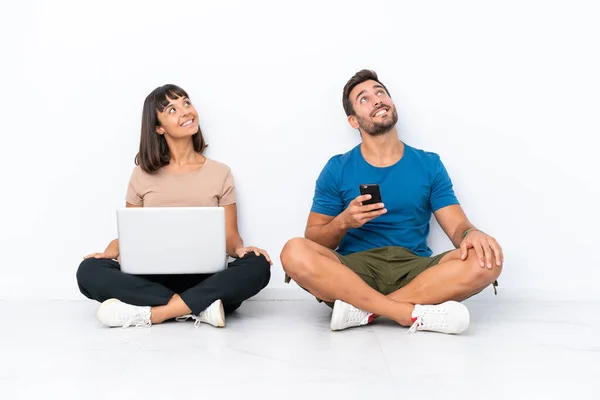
pixel 358 78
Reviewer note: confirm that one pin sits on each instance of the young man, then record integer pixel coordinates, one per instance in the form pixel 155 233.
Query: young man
pixel 381 265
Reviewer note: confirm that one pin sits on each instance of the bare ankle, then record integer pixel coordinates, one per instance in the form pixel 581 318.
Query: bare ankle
pixel 156 315
pixel 174 308
pixel 174 299
pixel 404 314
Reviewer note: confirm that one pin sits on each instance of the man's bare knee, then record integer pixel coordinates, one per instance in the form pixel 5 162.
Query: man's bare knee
pixel 294 258
pixel 453 255
pixel 292 251
pixel 479 276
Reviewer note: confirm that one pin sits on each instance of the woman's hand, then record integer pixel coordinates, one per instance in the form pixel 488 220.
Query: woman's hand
pixel 104 255
pixel 242 251
pixel 111 252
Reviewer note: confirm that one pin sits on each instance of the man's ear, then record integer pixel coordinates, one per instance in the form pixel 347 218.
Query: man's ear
pixel 353 121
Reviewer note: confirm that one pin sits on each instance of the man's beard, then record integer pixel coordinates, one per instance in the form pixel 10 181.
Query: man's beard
pixel 377 128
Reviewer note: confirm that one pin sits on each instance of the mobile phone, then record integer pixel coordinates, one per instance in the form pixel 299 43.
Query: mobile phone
pixel 373 190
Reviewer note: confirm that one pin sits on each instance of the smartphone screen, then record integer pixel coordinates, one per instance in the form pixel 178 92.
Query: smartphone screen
pixel 373 190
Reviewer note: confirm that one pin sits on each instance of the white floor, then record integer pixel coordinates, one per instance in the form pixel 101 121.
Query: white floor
pixel 285 350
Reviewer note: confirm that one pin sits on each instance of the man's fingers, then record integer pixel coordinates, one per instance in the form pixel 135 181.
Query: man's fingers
pixel 359 200
pixel 463 250
pixel 360 212
pixel 372 215
pixel 358 203
pixel 497 252
pixel 480 255
pixel 489 255
pixel 372 207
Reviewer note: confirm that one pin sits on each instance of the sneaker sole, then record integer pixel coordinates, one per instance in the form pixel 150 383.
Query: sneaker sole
pixel 465 320
pixel 335 323
pixel 221 316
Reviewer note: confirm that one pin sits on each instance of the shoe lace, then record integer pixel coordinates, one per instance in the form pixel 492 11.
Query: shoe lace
pixel 184 318
pixel 434 318
pixel 417 323
pixel 134 317
pixel 355 315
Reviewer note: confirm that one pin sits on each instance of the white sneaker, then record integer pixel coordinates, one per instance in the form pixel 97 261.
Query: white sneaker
pixel 114 312
pixel 347 316
pixel 213 315
pixel 449 317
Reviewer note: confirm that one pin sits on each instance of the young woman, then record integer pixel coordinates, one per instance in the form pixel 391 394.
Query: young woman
pixel 172 171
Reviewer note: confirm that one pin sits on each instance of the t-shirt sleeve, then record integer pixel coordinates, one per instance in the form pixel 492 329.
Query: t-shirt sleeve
pixel 133 189
pixel 228 193
pixel 327 199
pixel 442 191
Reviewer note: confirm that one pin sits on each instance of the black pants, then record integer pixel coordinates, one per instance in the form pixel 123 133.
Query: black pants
pixel 102 279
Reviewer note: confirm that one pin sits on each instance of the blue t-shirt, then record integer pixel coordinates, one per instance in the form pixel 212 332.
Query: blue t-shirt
pixel 411 190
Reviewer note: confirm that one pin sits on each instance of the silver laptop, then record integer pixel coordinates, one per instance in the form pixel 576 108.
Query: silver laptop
pixel 172 240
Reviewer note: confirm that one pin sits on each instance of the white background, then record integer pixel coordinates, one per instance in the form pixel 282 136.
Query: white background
pixel 507 93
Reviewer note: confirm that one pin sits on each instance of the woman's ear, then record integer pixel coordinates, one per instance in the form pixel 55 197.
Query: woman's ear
pixel 160 130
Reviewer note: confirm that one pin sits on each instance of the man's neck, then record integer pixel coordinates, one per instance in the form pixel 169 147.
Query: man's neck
pixel 383 150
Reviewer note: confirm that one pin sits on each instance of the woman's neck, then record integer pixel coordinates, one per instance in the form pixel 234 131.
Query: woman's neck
pixel 183 153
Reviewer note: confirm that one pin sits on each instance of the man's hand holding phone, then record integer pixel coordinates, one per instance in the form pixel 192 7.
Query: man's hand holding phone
pixel 357 214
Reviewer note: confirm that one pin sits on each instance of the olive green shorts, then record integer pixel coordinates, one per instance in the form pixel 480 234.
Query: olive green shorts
pixel 386 269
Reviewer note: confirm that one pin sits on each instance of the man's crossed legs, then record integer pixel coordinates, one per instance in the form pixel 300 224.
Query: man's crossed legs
pixel 429 289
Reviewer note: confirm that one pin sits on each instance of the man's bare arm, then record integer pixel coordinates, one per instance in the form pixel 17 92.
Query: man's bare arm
pixel 325 230
pixel 328 231
pixel 463 234
pixel 454 222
